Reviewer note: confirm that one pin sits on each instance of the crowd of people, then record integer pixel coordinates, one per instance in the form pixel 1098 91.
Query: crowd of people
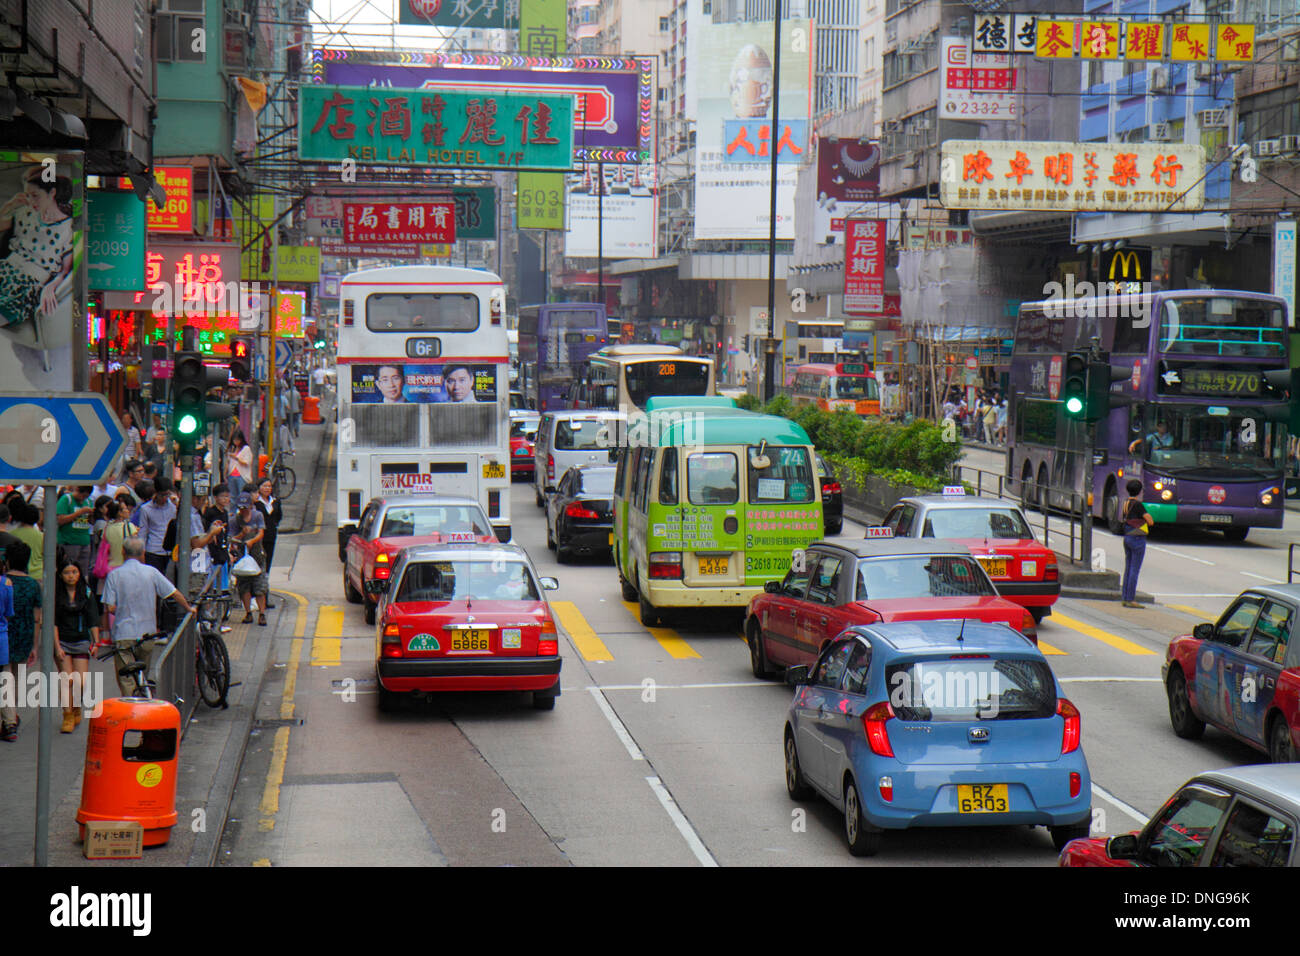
pixel 985 421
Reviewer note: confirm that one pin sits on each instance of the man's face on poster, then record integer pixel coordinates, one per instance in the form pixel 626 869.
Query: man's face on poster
pixel 460 385
pixel 389 381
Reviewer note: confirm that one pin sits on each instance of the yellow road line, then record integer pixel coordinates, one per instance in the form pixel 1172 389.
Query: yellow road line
pixel 327 645
pixel 329 466
pixel 591 647
pixel 1049 649
pixel 275 776
pixel 329 623
pixel 270 805
pixel 1119 643
pixel 666 636
pixel 291 678
pixel 1192 611
pixel 262 862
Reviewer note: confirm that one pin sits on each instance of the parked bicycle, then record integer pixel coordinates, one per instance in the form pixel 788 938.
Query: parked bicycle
pixel 283 479
pixel 211 659
pixel 132 660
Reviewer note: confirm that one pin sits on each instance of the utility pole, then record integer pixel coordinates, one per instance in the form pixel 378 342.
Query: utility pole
pixel 769 346
pixel 600 232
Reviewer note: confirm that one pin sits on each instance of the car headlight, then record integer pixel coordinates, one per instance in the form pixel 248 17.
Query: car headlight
pixel 1166 495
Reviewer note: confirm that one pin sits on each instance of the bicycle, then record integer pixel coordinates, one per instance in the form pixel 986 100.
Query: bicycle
pixel 211 659
pixel 283 479
pixel 132 657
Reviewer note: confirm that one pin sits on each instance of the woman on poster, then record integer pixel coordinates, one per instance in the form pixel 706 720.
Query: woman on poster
pixel 37 243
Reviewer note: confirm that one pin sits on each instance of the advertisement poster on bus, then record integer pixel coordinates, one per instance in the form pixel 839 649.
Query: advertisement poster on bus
pixel 424 384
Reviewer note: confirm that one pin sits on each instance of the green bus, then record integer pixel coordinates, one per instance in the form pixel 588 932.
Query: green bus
pixel 710 502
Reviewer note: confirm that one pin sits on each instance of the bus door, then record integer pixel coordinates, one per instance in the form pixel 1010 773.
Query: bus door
pixel 432 475
pixel 712 517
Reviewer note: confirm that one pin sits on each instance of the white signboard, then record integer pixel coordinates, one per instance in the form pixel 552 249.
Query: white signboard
pixel 976 86
pixel 1284 251
pixel 628 210
pixel 1072 177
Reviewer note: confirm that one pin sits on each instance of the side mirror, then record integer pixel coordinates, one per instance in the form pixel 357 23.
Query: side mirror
pixel 772 587
pixel 1122 847
pixel 1232 640
pixel 502 532
pixel 1203 632
pixel 377 586
pixel 798 675
pixel 550 584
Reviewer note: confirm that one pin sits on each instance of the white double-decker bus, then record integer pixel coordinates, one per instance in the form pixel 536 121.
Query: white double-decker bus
pixel 423 389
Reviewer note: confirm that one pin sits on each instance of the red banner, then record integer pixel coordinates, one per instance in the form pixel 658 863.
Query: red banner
pixel 178 214
pixel 864 266
pixel 403 222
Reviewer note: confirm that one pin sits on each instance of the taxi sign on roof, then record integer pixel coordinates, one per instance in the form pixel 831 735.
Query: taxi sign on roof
pixel 880 532
pixel 954 490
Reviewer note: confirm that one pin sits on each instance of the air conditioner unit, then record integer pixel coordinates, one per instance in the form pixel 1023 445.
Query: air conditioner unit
pixel 1267 147
pixel 1289 145
pixel 1159 132
pixel 1213 118
pixel 1159 79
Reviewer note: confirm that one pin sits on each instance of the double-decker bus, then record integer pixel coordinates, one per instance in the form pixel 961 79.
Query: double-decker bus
pixel 830 387
pixel 554 342
pixel 624 377
pixel 1196 420
pixel 423 389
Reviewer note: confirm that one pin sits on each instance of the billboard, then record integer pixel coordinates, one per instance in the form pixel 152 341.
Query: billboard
pixel 735 82
pixel 178 214
pixel 424 384
pixel 476 210
pixel 629 213
pixel 116 242
pixel 614 118
pixel 864 266
pixel 1073 177
pixel 403 222
pixel 848 174
pixel 975 86
pixel 459 14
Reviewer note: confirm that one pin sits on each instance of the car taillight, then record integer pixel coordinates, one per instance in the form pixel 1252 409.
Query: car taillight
pixel 382 566
pixel 550 467
pixel 1028 627
pixel 548 646
pixel 886 786
pixel 1049 572
pixel 391 642
pixel 831 488
pixel 576 509
pixel 666 564
pixel 1073 725
pixel 1076 783
pixel 873 722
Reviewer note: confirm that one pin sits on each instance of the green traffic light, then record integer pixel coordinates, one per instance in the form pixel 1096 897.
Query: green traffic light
pixel 1074 404
pixel 187 424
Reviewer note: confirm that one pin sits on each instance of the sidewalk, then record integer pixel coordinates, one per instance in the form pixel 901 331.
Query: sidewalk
pixel 213 744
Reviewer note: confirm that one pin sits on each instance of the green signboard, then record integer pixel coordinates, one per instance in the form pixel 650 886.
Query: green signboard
pixel 476 212
pixel 446 128
pixel 116 223
pixel 467 14
pixel 543 31
pixel 541 200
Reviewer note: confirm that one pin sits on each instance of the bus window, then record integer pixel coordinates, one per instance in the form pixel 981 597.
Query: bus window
pixel 422 312
pixel 667 376
pixel 620 472
pixel 642 484
pixel 668 478
pixel 788 479
pixel 712 478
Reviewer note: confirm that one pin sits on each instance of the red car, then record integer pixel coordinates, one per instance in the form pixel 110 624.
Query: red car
pixel 523 446
pixel 996 532
pixel 841 584
pixel 466 618
pixel 388 525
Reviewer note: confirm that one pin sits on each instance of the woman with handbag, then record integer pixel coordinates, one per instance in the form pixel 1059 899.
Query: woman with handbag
pixel 269 507
pixel 247 530
pixel 1136 524
pixel 240 463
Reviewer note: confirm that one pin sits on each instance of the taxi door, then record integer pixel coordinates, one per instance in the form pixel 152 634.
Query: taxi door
pixel 816 621
pixel 780 623
pixel 1261 667
pixel 1220 663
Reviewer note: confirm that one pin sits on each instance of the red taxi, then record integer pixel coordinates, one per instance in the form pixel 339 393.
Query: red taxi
pixel 466 618
pixel 388 525
pixel 996 532
pixel 523 446
pixel 880 579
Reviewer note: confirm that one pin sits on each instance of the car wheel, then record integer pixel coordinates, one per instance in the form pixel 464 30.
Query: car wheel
pixel 1071 831
pixel 543 700
pixel 649 616
pixel 1037 613
pixel 1028 492
pixel 371 610
pixel 863 840
pixel 835 527
pixel 629 592
pixel 388 700
pixel 562 554
pixel 541 502
pixel 757 658
pixel 1280 748
pixel 550 538
pixel 1186 724
pixel 795 784
pixel 1044 499
pixel 1235 534
pixel 352 595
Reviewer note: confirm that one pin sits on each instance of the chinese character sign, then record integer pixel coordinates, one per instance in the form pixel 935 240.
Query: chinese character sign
pixel 1137 40
pixel 116 223
pixel 467 14
pixel 993 33
pixel 1093 177
pixel 1284 261
pixel 399 222
pixel 1055 39
pixel 1235 42
pixel 178 214
pixel 979 85
pixel 463 130
pixel 1190 42
pixel 1099 40
pixel 864 266
pixel 1144 41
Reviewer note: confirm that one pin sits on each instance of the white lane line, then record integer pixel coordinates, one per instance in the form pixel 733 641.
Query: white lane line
pixel 1261 577
pixel 1179 554
pixel 750 683
pixel 1109 680
pixel 632 749
pixel 1119 803
pixel 1198 595
pixel 683 825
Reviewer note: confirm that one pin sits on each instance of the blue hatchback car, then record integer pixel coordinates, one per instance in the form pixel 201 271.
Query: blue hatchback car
pixel 935 724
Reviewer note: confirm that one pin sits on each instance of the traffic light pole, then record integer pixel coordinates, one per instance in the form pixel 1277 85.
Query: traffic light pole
pixel 183 529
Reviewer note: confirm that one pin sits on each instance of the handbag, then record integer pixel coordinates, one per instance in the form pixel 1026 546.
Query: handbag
pixel 246 567
pixel 100 570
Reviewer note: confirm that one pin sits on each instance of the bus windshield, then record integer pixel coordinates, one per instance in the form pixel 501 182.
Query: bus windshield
pixel 1213 442
pixel 672 376
pixel 1214 326
pixel 855 386
pixel 788 479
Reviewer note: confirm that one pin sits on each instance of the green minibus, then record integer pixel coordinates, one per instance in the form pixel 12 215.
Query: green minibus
pixel 710 503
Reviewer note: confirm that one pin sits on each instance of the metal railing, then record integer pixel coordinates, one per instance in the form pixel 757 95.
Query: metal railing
pixel 1290 561
pixel 997 485
pixel 171 666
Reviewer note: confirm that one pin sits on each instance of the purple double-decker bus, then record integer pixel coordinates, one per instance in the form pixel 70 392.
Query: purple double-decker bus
pixel 1196 420
pixel 555 340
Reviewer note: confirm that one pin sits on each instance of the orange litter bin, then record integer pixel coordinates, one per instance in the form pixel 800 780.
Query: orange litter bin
pixel 130 773
pixel 311 410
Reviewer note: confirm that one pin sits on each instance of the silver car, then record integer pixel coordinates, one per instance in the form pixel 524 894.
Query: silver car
pixel 569 438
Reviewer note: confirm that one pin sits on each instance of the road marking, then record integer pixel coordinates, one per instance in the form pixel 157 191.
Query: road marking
pixel 745 683
pixel 275 776
pixel 327 645
pixel 632 750
pixel 666 636
pixel 591 647
pixel 270 805
pixel 1179 554
pixel 1119 643
pixel 683 825
pixel 1191 610
pixel 1120 803
pixel 262 862
pixel 1258 577
pixel 1049 649
pixel 1109 680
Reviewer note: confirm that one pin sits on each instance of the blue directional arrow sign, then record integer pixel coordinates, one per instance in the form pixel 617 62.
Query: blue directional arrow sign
pixel 58 438
pixel 283 354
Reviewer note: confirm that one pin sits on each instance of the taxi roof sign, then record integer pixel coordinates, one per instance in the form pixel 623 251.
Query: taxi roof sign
pixel 881 531
pixel 954 490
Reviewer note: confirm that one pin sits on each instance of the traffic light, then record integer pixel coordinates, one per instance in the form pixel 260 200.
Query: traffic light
pixel 241 360
pixel 1074 386
pixel 1101 375
pixel 191 410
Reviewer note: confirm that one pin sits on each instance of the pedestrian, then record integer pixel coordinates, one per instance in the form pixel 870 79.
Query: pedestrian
pixel 269 507
pixel 6 612
pixel 6 538
pixel 989 415
pixel 25 530
pixel 132 475
pixel 1136 522
pixel 295 409
pixel 240 463
pixel 133 437
pixel 246 532
pixel 131 595
pixel 116 531
pixel 24 628
pixel 99 521
pixel 155 515
pixel 1002 419
pixel 144 491
pixel 76 623
pixel 217 515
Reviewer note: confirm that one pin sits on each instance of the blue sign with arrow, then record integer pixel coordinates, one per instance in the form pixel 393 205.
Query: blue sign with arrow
pixel 58 438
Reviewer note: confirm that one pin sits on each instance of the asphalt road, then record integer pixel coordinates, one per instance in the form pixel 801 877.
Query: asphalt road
pixel 663 750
